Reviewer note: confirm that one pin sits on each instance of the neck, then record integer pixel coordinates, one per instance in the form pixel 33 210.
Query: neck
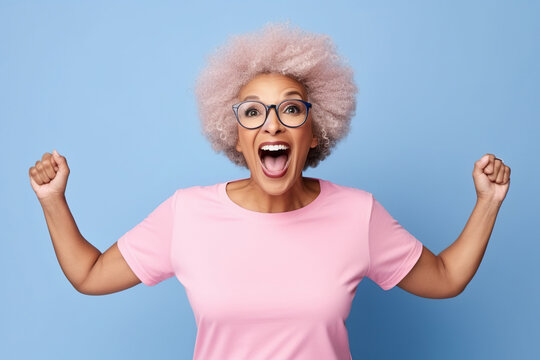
pixel 250 195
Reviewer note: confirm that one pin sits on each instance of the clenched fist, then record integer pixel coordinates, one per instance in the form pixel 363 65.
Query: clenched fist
pixel 49 175
pixel 491 178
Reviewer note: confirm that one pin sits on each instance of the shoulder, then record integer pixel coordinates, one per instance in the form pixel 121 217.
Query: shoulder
pixel 197 189
pixel 343 191
pixel 190 195
pixel 347 196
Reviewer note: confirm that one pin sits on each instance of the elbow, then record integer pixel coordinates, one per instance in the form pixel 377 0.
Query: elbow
pixel 453 288
pixel 82 292
pixel 77 286
pixel 451 295
pixel 82 289
pixel 458 291
pixel 444 292
pixel 87 288
pixel 85 291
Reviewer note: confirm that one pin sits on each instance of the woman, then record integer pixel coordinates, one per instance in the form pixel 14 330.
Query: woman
pixel 271 263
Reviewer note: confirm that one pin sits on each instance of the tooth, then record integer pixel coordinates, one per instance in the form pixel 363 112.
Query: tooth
pixel 274 147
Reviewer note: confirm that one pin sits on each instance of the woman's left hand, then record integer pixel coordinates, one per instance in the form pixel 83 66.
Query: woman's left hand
pixel 491 179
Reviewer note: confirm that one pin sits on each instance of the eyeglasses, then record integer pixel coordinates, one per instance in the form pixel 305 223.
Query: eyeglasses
pixel 252 114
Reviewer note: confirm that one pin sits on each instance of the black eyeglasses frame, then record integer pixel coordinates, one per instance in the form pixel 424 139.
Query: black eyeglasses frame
pixel 268 107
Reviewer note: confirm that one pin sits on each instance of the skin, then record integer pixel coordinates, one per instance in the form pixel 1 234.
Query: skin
pixel 433 276
pixel 88 270
pixel 260 192
pixel 447 274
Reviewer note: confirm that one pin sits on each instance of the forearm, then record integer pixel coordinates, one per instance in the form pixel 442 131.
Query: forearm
pixel 462 258
pixel 75 255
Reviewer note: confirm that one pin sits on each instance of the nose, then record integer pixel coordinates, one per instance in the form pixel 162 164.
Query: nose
pixel 272 124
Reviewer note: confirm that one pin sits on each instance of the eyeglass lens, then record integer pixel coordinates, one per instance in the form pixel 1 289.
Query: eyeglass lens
pixel 291 112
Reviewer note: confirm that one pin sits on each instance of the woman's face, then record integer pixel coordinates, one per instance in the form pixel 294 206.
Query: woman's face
pixel 273 89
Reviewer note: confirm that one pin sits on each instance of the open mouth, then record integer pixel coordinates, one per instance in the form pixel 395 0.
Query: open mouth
pixel 275 159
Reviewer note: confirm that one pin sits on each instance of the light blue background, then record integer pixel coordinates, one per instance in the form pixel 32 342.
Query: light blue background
pixel 109 84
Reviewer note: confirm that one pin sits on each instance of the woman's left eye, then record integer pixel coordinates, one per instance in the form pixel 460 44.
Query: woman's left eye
pixel 291 107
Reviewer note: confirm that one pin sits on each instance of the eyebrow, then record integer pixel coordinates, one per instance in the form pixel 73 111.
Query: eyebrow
pixel 292 92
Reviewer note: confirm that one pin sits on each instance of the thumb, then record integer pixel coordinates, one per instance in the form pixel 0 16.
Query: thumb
pixel 60 161
pixel 480 165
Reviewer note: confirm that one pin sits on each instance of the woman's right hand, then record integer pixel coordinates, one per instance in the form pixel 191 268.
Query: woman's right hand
pixel 49 175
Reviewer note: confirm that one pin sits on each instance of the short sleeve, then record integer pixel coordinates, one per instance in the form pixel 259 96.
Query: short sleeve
pixel 147 246
pixel 393 250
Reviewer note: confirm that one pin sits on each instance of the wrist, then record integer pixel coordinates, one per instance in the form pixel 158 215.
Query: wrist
pixel 488 203
pixel 52 200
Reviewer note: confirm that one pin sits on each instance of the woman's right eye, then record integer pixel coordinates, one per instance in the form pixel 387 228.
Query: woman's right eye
pixel 251 112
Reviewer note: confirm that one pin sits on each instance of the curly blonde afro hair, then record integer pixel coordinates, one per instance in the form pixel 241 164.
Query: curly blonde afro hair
pixel 309 58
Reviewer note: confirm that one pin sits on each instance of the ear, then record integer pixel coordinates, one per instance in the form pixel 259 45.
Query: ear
pixel 314 142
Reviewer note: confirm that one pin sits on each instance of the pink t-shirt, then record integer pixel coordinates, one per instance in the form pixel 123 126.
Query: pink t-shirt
pixel 270 285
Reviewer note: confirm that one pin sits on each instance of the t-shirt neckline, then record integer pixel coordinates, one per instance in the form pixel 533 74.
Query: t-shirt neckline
pixel 278 215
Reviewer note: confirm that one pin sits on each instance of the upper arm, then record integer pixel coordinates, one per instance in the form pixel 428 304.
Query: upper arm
pixel 428 279
pixel 110 274
pixel 393 250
